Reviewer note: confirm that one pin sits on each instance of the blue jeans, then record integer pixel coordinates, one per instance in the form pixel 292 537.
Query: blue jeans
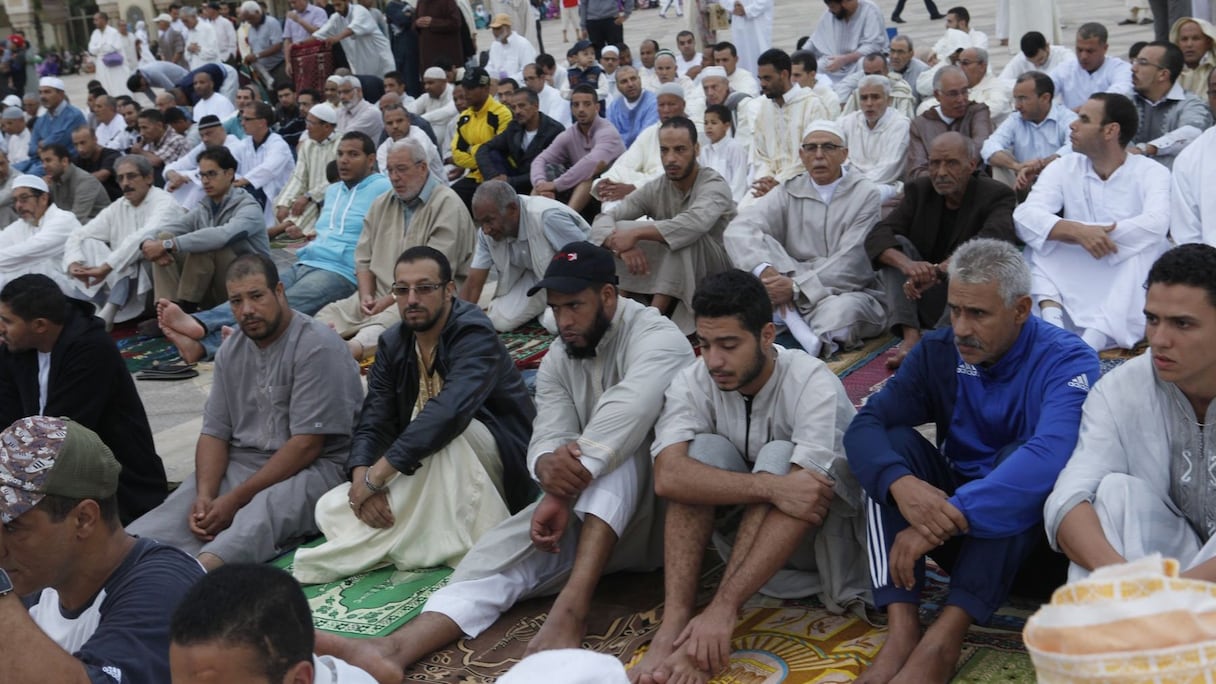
pixel 308 289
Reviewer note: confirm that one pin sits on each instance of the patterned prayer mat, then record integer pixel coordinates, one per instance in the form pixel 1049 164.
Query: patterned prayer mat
pixel 371 604
pixel 844 364
pixel 141 353
pixel 775 642
pixel 528 344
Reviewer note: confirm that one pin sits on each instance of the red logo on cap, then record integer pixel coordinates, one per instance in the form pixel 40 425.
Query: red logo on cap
pixel 569 256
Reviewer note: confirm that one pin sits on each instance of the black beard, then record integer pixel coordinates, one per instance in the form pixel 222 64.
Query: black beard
pixel 597 332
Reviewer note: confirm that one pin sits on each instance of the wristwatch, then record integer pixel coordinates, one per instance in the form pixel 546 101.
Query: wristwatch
pixel 168 245
pixel 6 584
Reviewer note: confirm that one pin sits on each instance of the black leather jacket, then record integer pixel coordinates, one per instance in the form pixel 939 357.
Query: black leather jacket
pixel 479 381
pixel 504 154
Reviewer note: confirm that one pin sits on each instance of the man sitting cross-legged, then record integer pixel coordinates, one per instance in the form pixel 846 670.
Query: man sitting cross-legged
pixel 689 208
pixel 445 407
pixel 191 252
pixel 806 241
pixel 103 256
pixel 276 430
pixel 1005 391
pixel 519 236
pixel 324 271
pixel 1128 490
pixel 802 527
pixel 419 211
pixel 598 393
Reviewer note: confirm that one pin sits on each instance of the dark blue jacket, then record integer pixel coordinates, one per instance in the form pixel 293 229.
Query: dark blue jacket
pixel 1033 394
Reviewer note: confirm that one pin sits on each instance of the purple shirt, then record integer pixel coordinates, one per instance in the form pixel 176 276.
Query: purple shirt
pixel 298 34
pixel 579 154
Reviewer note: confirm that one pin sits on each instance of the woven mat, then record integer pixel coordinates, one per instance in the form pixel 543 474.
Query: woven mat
pixel 141 353
pixel 791 642
pixel 528 344
pixel 844 364
pixel 371 604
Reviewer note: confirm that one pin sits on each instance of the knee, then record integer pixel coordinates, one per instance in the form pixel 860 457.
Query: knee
pixel 716 451
pixel 1117 488
pixel 774 457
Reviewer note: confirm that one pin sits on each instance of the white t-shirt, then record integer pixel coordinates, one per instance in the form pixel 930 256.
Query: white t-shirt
pixel 44 374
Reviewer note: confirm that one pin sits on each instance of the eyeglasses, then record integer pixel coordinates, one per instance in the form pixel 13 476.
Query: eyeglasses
pixel 1142 62
pixel 24 197
pixel 402 290
pixel 826 148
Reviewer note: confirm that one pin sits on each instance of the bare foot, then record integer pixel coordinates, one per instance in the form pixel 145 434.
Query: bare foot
pixel 659 651
pixel 563 628
pixel 931 662
pixel 190 350
pixel 373 655
pixel 170 315
pixel 890 659
pixel 680 668
pixel 910 340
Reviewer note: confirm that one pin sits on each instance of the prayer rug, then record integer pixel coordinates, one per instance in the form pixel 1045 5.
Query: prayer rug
pixel 789 642
pixel 845 363
pixel 528 344
pixel 370 604
pixel 141 353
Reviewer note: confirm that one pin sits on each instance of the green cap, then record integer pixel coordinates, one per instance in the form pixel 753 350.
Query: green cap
pixel 41 456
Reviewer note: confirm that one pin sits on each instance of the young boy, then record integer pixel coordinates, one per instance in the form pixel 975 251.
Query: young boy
pixel 723 153
pixel 585 69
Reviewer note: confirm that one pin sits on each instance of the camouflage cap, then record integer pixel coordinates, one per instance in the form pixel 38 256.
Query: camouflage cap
pixel 41 456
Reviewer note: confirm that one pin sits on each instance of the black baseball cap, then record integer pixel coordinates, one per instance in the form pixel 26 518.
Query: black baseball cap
pixel 475 77
pixel 576 267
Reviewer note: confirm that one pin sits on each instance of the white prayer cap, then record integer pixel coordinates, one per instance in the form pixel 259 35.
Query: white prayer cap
pixel 670 89
pixel 163 17
pixel 576 666
pixel 13 113
pixel 51 82
pixel 825 125
pixel 12 101
pixel 434 73
pixel 251 6
pixel 714 71
pixel 27 181
pixel 335 79
pixel 610 49
pixel 325 112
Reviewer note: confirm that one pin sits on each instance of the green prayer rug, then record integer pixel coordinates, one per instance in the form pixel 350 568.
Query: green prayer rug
pixel 370 604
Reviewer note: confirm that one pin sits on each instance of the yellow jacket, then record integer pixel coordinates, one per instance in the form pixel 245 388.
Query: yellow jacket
pixel 474 128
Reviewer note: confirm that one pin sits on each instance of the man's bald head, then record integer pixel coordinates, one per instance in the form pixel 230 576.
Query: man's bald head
pixel 952 161
pixel 952 142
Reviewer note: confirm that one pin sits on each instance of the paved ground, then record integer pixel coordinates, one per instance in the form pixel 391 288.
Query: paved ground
pixel 174 408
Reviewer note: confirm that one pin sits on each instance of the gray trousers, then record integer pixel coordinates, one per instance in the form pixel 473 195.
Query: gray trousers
pixel 1165 13
pixel 276 516
pixel 927 313
pixel 196 277
pixel 829 562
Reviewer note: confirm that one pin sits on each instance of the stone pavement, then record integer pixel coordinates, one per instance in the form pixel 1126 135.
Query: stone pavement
pixel 174 408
